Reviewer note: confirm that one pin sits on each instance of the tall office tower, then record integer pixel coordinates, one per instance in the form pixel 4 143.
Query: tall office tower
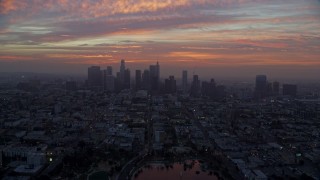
pixel 185 81
pixel 155 76
pixel 138 79
pixel 195 86
pixel 117 82
pixel 158 71
pixel 275 88
pixel 269 88
pixel 118 76
pixel 209 88
pixel 94 77
pixel 109 83
pixel 127 79
pixel 261 86
pixel 109 70
pixel 122 70
pixel 146 80
pixel 108 80
pixel 289 90
pixel 170 85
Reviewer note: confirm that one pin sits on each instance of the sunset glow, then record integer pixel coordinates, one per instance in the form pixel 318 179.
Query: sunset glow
pixel 188 33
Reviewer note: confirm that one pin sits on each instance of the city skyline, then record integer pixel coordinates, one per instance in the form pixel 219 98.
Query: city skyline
pixel 103 80
pixel 213 38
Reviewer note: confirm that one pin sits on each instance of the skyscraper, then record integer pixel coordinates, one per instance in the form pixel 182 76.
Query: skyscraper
pixel 209 88
pixel 127 79
pixel 109 70
pixel 185 81
pixel 138 79
pixel 195 86
pixel 109 83
pixel 108 80
pixel 275 88
pixel 155 76
pixel 158 71
pixel 122 71
pixel 261 86
pixel 146 80
pixel 118 84
pixel 170 85
pixel 289 90
pixel 94 77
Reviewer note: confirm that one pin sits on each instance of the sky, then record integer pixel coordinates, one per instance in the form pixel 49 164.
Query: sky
pixel 280 38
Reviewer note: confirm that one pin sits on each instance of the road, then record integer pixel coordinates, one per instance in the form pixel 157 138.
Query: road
pixel 131 165
pixel 218 153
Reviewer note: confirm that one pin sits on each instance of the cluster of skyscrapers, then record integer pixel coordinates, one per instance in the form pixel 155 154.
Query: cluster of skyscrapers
pixel 104 80
pixel 149 79
pixel 264 88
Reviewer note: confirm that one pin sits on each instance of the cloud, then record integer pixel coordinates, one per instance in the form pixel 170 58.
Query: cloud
pixel 101 8
pixel 191 31
pixel 7 6
pixel 267 44
pixel 83 44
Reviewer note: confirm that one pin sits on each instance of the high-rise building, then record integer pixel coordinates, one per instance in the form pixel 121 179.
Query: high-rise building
pixel 109 70
pixel 118 84
pixel 185 81
pixel 209 88
pixel 195 86
pixel 146 80
pixel 155 76
pixel 94 77
pixel 289 90
pixel 170 85
pixel 127 79
pixel 153 70
pixel 108 80
pixel 261 86
pixel 275 88
pixel 138 79
pixel 158 70
pixel 109 83
pixel 122 70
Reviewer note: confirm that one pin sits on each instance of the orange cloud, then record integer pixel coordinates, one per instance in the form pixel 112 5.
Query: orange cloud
pixel 78 56
pixel 262 43
pixel 193 55
pixel 102 8
pixel 16 58
pixel 7 6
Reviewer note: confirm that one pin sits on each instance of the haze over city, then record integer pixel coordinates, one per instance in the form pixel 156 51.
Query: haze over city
pixel 220 38
pixel 159 89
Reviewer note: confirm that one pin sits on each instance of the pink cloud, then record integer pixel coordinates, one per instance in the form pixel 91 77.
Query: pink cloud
pixel 101 8
pixel 262 43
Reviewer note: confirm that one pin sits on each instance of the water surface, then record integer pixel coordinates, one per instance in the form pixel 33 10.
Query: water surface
pixel 191 170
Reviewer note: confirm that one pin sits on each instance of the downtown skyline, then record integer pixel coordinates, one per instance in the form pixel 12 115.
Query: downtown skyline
pixel 213 38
